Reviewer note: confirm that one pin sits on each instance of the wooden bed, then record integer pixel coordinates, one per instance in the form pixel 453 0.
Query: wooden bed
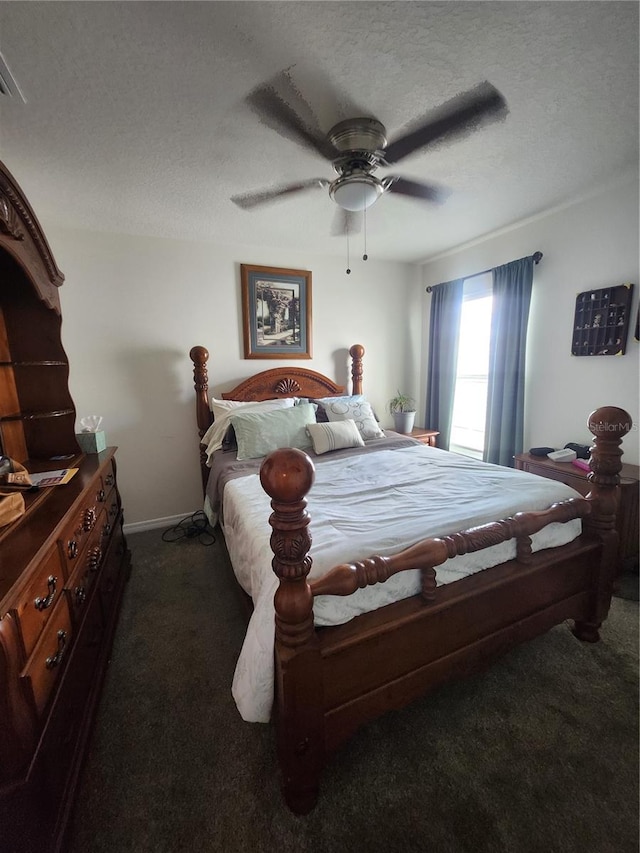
pixel 331 680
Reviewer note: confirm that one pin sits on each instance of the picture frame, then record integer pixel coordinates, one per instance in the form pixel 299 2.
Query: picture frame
pixel 276 312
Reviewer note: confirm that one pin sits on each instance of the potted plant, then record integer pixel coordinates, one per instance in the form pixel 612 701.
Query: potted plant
pixel 403 409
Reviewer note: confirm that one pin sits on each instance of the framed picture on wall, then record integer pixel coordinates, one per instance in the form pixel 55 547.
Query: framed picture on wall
pixel 276 312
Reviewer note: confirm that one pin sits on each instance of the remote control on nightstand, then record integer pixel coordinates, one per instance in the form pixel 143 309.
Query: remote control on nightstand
pixel 562 455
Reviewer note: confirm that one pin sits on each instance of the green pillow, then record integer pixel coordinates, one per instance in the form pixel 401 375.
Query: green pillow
pixel 258 433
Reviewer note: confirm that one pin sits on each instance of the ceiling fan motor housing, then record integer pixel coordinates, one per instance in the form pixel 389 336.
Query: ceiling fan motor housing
pixel 359 143
pixel 358 134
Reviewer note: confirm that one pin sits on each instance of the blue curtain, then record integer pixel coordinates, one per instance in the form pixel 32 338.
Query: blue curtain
pixel 504 427
pixel 444 326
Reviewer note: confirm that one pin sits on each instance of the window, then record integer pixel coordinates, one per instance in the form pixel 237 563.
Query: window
pixel 470 395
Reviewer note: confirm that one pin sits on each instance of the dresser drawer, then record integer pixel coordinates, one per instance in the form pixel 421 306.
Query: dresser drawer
pixel 112 507
pixel 48 659
pixel 580 484
pixel 78 531
pixel 87 569
pixel 109 518
pixel 112 575
pixel 65 724
pixel 106 482
pixel 35 605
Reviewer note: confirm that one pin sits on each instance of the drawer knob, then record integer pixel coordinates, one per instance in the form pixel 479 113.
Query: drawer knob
pixel 109 480
pixel 106 530
pixel 72 549
pixel 43 602
pixel 55 660
pixel 101 496
pixel 80 593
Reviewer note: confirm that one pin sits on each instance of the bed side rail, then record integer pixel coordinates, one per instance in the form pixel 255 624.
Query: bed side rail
pixel 428 553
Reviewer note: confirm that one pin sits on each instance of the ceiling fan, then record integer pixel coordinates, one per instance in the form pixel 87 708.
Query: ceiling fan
pixel 358 147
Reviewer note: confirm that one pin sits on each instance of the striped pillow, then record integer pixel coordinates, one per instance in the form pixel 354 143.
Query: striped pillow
pixel 334 436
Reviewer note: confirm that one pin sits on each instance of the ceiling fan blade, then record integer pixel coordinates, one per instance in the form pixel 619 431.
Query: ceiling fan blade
pixel 271 102
pixel 465 112
pixel 247 201
pixel 426 192
pixel 346 222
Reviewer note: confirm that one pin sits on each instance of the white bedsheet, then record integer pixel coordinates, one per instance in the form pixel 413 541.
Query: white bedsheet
pixel 439 493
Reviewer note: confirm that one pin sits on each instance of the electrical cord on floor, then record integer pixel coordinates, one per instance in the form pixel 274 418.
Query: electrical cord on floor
pixel 195 526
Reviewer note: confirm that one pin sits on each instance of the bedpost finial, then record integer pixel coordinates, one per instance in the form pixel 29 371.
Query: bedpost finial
pixel 356 351
pixel 609 422
pixel 199 355
pixel 287 474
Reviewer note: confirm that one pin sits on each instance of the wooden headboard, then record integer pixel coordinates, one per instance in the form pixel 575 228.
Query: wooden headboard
pixel 267 385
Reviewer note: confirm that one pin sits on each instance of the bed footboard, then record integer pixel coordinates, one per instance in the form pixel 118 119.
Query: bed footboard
pixel 330 681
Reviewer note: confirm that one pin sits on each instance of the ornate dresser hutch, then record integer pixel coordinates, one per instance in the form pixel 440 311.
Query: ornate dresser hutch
pixel 63 564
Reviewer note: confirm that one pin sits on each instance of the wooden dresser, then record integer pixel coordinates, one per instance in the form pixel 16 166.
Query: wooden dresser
pixel 627 520
pixel 63 564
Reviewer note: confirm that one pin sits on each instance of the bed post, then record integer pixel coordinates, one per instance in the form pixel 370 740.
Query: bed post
pixel 199 356
pixel 287 475
pixel 609 425
pixel 356 352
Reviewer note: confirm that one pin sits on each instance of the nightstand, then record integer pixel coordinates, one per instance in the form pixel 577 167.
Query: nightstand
pixel 627 518
pixel 426 436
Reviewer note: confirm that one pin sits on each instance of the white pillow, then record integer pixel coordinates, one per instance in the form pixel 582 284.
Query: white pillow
pixel 224 409
pixel 359 411
pixel 334 436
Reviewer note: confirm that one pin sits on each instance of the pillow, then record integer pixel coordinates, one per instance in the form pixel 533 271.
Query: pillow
pixel 361 412
pixel 321 414
pixel 334 436
pixel 222 410
pixel 258 433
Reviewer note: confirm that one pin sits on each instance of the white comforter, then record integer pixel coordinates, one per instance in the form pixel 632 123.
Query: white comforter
pixel 388 501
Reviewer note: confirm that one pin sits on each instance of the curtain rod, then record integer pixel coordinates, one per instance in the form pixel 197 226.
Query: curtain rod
pixel 537 257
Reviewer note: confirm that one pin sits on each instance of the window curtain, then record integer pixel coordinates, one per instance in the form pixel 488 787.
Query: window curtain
pixel 512 284
pixel 444 325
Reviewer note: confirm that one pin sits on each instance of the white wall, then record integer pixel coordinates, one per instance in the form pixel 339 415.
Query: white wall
pixel 590 244
pixel 133 308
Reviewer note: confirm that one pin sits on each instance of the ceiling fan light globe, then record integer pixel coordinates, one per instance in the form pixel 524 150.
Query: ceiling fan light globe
pixel 356 193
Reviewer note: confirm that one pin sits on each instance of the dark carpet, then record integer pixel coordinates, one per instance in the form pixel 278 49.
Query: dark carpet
pixel 539 754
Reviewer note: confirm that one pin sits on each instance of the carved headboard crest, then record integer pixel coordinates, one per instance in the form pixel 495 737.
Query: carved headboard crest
pixel 287 386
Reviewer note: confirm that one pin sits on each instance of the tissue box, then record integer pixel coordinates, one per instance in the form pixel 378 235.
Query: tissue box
pixel 92 442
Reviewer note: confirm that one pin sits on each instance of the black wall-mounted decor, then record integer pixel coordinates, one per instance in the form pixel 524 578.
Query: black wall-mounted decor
pixel 601 321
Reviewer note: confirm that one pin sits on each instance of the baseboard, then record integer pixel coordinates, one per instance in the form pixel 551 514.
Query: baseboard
pixel 155 523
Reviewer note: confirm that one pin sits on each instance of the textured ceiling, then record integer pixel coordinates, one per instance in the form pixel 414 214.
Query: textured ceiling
pixel 135 118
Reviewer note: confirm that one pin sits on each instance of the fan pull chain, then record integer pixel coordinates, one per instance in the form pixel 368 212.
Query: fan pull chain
pixel 348 261
pixel 365 256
